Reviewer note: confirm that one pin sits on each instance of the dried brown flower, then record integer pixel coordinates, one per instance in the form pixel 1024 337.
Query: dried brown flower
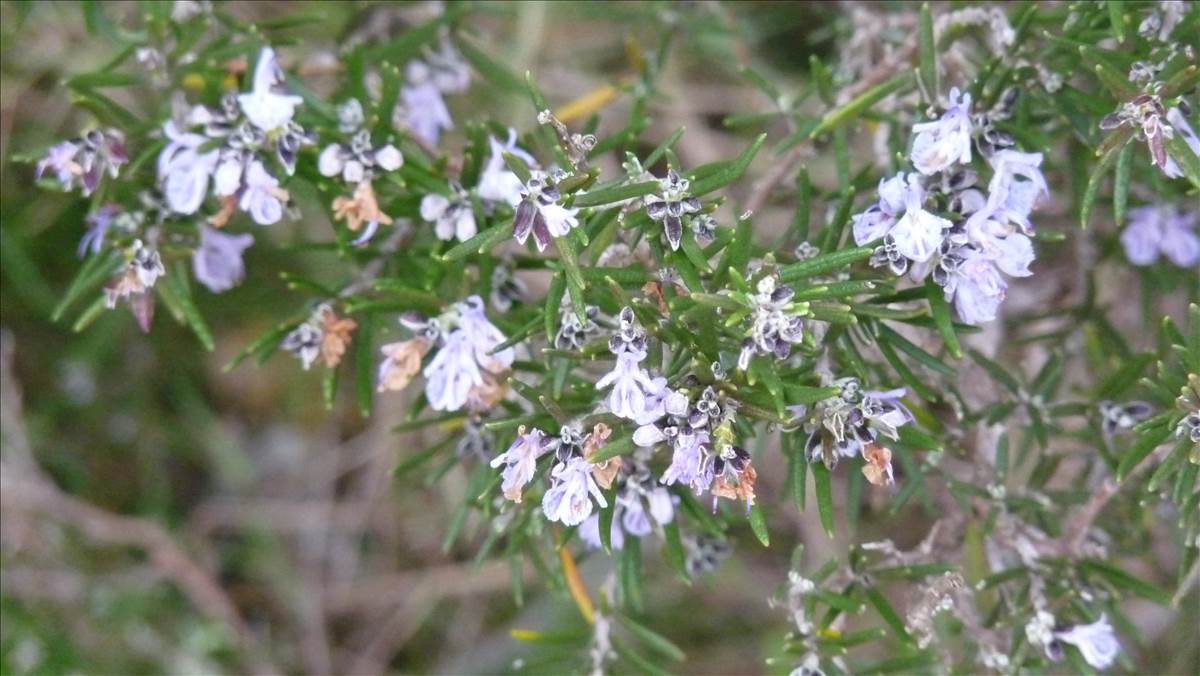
pixel 653 291
pixel 335 336
pixel 743 489
pixel 483 397
pixel 595 441
pixel 228 207
pixel 362 208
pixel 878 469
pixel 402 363
pixel 126 286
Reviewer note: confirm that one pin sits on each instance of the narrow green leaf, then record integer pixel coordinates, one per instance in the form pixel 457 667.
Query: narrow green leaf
pixel 1125 581
pixel 996 371
pixel 927 55
pixel 798 394
pixel 729 171
pixel 758 524
pixel 1108 157
pixel 1185 157
pixel 364 379
pixel 410 42
pixel 178 280
pixel 652 640
pixel 622 445
pixel 1141 448
pixel 1116 19
pixel 491 70
pixel 569 255
pixel 606 520
pixel 824 263
pixel 860 104
pixel 824 487
pixel 888 614
pixel 939 309
pixel 329 387
pixel 102 79
pixel 801 221
pixel 479 244
pixel 674 549
pixel 94 271
pixel 615 194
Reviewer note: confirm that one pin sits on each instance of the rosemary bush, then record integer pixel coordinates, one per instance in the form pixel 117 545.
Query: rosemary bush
pixel 933 325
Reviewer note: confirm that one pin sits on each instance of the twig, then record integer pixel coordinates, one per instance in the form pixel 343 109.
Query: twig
pixel 37 497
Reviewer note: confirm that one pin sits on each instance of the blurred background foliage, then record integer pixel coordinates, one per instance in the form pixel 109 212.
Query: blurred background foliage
pixel 168 468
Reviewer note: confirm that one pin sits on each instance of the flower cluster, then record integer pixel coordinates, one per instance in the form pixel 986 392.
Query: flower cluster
pixel 641 504
pixel 672 206
pixel 84 161
pixel 775 322
pixel 467 369
pixel 323 335
pixel 850 423
pixel 1162 230
pixel 699 434
pixel 1096 641
pixel 453 215
pixel 1154 125
pixel 984 236
pixel 634 395
pixel 357 163
pixel 228 146
pixel 143 267
pixel 422 108
pixel 539 213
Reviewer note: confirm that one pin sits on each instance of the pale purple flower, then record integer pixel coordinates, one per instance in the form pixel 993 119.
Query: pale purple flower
pixel 184 170
pixel 630 385
pixel 1165 230
pixel 146 264
pixel 1180 124
pixel 1016 187
pixel 357 160
pixel 305 342
pixel 263 106
pixel 60 159
pixel 672 206
pixel 97 227
pixel 879 218
pixel 520 461
pixel 1096 641
pixel 918 233
pixel 1011 251
pixel 636 519
pixel 467 349
pixel 227 179
pixel 689 461
pixel 217 261
pixel 540 214
pixel 941 143
pixel 85 160
pixel 453 216
pixel 567 500
pixel 484 336
pixel 496 182
pixel 589 530
pixel 660 401
pixel 261 195
pixel 976 288
pixel 452 373
pixel 443 67
pixel 425 111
